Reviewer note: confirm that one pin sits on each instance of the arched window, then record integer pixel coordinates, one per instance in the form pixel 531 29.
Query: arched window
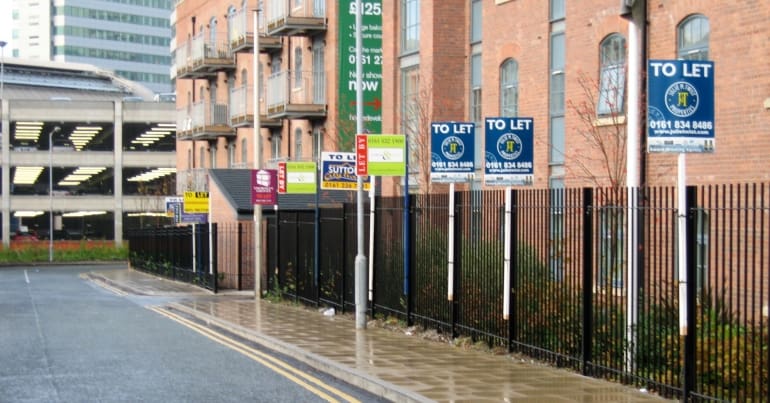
pixel 232 33
pixel 509 88
pixel 298 67
pixel 693 38
pixel 612 78
pixel 213 32
pixel 244 152
pixel 298 144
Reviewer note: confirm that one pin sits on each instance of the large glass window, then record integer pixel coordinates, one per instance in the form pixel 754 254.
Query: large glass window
pixel 298 67
pixel 558 10
pixel 410 25
pixel 298 144
pixel 509 88
pixel 556 97
pixel 693 38
pixel 475 95
pixel 612 76
pixel 410 112
pixel 244 153
pixel 476 21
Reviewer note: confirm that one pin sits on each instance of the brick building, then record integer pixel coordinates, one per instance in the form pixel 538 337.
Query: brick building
pixel 564 63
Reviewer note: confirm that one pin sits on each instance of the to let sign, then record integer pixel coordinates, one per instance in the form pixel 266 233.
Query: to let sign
pixel 680 106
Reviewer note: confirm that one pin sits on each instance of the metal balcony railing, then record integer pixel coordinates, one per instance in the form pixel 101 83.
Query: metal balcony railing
pixel 286 19
pixel 296 94
pixel 203 121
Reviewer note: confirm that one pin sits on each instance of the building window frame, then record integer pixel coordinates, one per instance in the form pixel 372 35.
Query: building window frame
pixel 410 26
pixel 692 38
pixel 612 75
pixel 509 88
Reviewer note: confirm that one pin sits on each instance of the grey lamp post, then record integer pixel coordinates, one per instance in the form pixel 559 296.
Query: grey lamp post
pixel 50 192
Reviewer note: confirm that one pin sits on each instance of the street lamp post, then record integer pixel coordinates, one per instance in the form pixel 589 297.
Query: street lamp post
pixel 50 192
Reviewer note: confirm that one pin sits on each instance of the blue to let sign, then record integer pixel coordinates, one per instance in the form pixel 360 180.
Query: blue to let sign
pixel 680 106
pixel 452 151
pixel 509 151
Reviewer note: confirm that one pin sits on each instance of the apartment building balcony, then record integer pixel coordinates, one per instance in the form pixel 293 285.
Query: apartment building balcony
pixel 203 58
pixel 296 95
pixel 286 19
pixel 241 33
pixel 203 121
pixel 192 180
pixel 242 109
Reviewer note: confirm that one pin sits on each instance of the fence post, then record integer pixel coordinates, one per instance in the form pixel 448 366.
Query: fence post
pixel 239 259
pixel 691 200
pixel 588 281
pixel 412 251
pixel 514 268
pixel 457 261
pixel 214 258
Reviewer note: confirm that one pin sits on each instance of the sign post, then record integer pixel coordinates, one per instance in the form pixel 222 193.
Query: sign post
pixel 452 151
pixel 680 119
pixel 509 161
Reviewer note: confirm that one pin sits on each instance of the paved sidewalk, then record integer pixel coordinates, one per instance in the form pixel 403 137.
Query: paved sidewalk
pixel 390 364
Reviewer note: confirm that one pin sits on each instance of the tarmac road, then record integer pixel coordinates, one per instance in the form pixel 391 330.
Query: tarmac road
pixel 64 339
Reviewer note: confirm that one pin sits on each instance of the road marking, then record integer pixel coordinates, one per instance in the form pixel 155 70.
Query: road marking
pixel 26 276
pixel 108 287
pixel 267 360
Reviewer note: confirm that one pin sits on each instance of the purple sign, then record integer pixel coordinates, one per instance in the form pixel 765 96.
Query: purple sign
pixel 264 186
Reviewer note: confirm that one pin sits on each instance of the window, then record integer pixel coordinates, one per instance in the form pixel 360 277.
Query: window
pixel 298 144
pixel 298 67
pixel 202 157
pixel 213 155
pixel 231 155
pixel 318 142
pixel 275 139
pixel 557 10
pixel 613 75
pixel 509 88
pixel 213 32
pixel 476 21
pixel 693 38
pixel 557 248
pixel 410 25
pixel 410 112
pixel 556 96
pixel 475 96
pixel 244 77
pixel 611 247
pixel 244 153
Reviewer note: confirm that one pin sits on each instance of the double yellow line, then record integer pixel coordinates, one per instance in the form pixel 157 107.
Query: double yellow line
pixel 309 382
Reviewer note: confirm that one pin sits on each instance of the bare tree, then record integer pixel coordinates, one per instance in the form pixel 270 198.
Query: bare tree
pixel 602 127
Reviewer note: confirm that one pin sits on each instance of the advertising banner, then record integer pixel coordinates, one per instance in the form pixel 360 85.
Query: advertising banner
pixel 338 172
pixel 264 187
pixel 371 65
pixel 296 177
pixel 452 150
pixel 196 202
pixel 381 154
pixel 680 106
pixel 509 151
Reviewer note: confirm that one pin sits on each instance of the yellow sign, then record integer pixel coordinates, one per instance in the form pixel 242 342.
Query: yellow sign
pixel 196 202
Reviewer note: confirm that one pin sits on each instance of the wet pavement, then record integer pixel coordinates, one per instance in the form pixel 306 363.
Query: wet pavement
pixel 388 363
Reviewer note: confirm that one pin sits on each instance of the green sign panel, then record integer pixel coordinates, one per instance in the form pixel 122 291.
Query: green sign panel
pixel 297 177
pixel 371 62
pixel 381 155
